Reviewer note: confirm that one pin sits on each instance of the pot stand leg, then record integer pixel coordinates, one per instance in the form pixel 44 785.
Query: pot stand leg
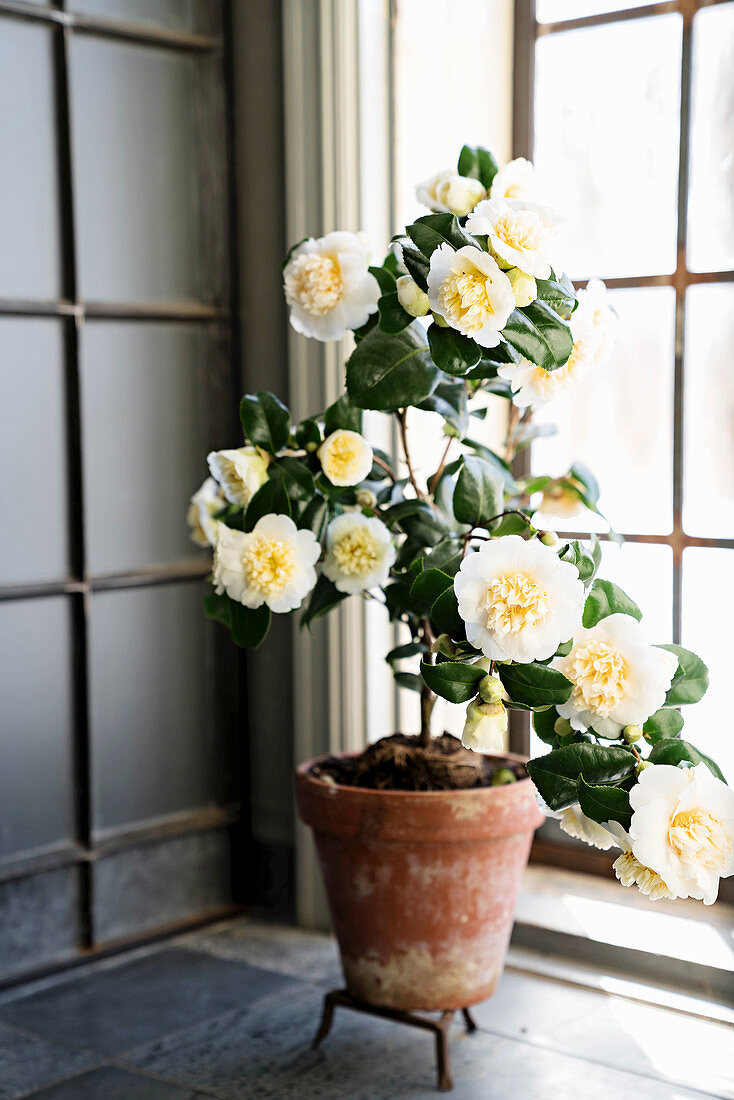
pixel 440 1028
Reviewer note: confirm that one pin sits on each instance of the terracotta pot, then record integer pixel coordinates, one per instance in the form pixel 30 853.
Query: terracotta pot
pixel 421 884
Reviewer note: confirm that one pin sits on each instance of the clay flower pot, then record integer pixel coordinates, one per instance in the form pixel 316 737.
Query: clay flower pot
pixel 421 884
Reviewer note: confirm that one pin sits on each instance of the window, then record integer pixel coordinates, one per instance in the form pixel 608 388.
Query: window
pixel 633 126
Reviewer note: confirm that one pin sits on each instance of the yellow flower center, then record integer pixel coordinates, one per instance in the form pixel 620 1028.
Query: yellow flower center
pixel 631 872
pixel 465 299
pixel 546 382
pixel 356 553
pixel 520 229
pixel 315 281
pixel 342 456
pixel 699 838
pixel 599 675
pixel 269 564
pixel 514 602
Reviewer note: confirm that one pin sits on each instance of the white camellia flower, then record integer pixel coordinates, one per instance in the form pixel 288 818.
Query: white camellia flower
pixel 515 181
pixel 485 727
pixel 413 300
pixel 329 287
pixel 594 322
pixel 205 503
pixel 561 500
pixel 631 872
pixel 359 552
pixel 346 457
pixel 450 193
pixel 575 822
pixel 240 472
pixel 273 564
pixel 682 829
pixel 468 289
pixel 521 233
pixel 518 599
pixel 619 678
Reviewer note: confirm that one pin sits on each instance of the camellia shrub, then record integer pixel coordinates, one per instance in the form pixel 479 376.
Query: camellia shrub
pixel 503 615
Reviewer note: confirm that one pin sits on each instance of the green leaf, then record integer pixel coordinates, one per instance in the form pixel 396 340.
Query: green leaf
pixel 604 803
pixel 449 401
pixel 385 278
pixel 451 352
pixel 308 431
pixel 584 475
pixel 218 608
pixel 398 600
pixel 265 421
pixel 576 553
pixel 477 163
pixel 604 599
pixel 556 774
pixel 512 524
pixel 498 464
pixel 296 475
pixel 675 752
pixel 559 294
pixel 544 724
pixel 446 556
pixel 324 597
pixel 452 680
pixel 315 517
pixel 479 495
pixel 430 232
pixel 691 680
pixel 663 724
pixel 402 652
pixel 390 372
pixel 445 615
pixel 343 414
pixel 270 497
pixel 429 585
pixel 535 685
pixel 393 318
pixel 409 680
pixel 249 625
pixel 417 265
pixel 539 334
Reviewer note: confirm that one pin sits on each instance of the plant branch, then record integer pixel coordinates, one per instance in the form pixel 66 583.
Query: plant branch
pixel 402 418
pixel 441 467
pixel 384 465
pixel 428 699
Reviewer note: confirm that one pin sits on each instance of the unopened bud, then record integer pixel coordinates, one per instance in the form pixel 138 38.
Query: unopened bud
pixel 502 776
pixel 548 538
pixel 642 765
pixel 563 727
pixel 413 300
pixel 523 286
pixel 444 645
pixel 485 726
pixel 366 498
pixel 311 447
pixel 631 734
pixel 491 689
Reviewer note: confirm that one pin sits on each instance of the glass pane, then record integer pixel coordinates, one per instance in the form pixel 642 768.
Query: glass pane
pixel 33 496
pixel 36 744
pixel 137 196
pixel 175 14
pixel 708 611
pixel 710 204
pixel 606 421
pixel 154 748
pixel 552 11
pixel 143 416
pixel 607 149
pixel 30 255
pixel 708 496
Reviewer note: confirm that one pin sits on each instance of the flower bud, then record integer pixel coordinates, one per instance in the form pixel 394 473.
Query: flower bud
pixel 311 447
pixel 366 498
pixel 491 689
pixel 548 538
pixel 485 726
pixel 563 727
pixel 524 287
pixel 502 776
pixel 413 300
pixel 631 734
pixel 444 645
pixel 639 769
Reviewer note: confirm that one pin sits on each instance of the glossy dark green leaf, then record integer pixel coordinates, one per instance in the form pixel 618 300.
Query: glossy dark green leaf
pixel 409 680
pixel 297 476
pixel 445 615
pixel 604 599
pixel 403 652
pixel 315 517
pixel 449 401
pixel 417 266
pixel 429 584
pixel 446 556
pixel 556 774
pixel 390 372
pixel 539 334
pixel 270 497
pixel 664 724
pixel 498 464
pixel 559 294
pixel 691 680
pixel 452 680
pixel 676 752
pixel 323 598
pixel 308 431
pixel 535 685
pixel 544 724
pixel 604 803
pixel 513 523
pixel 265 421
pixel 249 625
pixel 477 163
pixel 393 318
pixel 433 230
pixel 343 414
pixel 577 554
pixel 218 608
pixel 479 492
pixel 451 352
pixel 385 278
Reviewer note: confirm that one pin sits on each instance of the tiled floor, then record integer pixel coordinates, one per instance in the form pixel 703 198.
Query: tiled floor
pixel 230 1011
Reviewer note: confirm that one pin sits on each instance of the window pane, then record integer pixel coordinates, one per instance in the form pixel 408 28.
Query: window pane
pixel 607 421
pixel 708 501
pixel 711 200
pixel 176 14
pixel 154 745
pixel 551 11
pixel 607 148
pixel 137 194
pixel 33 497
pixel 29 257
pixel 143 418
pixel 36 743
pixel 708 611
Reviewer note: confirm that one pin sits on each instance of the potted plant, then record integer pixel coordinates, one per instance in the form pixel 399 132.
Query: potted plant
pixel 423 838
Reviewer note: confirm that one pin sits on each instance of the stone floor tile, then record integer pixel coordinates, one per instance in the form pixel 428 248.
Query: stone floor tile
pixel 111 1083
pixel 27 1062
